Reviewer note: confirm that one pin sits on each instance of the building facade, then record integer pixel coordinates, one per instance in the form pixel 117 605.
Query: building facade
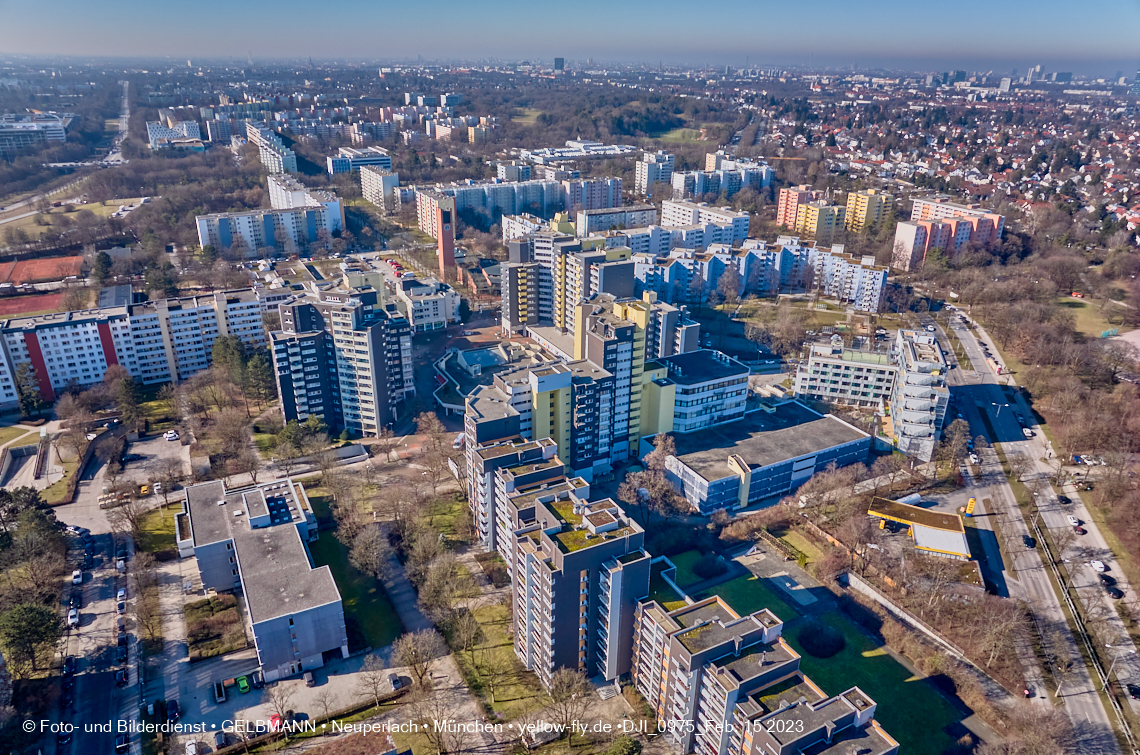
pixel 788 207
pixel 866 209
pixel 653 168
pixel 348 159
pixel 157 341
pixel 427 304
pixel 819 221
pixel 852 377
pixel 920 396
pixel 682 213
pixel 342 356
pixel 588 222
pixel 378 186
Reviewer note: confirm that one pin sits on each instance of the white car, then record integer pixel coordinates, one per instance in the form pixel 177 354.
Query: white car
pixel 170 435
pixel 1027 432
pixel 974 459
pixel 1098 566
pixel 931 328
pixel 77 577
pixel 1072 520
pixel 73 617
pixel 122 594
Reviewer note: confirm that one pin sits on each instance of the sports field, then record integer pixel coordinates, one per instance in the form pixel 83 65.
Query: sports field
pixel 38 271
pixel 14 306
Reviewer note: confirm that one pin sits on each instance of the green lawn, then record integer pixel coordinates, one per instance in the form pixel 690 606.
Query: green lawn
pixel 157 528
pixel 681 134
pixel 797 540
pixel 265 443
pixel 685 563
pixel 363 597
pixel 54 494
pixel 528 116
pixel 660 591
pixel 519 691
pixel 9 434
pixel 1088 318
pixel 909 709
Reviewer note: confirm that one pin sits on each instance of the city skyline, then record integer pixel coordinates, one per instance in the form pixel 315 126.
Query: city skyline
pixel 844 36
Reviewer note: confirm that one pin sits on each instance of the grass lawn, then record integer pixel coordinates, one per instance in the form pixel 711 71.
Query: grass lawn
pixel 265 443
pixel 909 709
pixel 527 116
pixel 363 597
pixel 660 591
pixel 444 514
pixel 681 134
pixel 747 594
pixel 685 563
pixel 53 494
pixel 520 690
pixel 214 627
pixel 34 231
pixel 797 540
pixel 1088 318
pixel 157 528
pixel 9 434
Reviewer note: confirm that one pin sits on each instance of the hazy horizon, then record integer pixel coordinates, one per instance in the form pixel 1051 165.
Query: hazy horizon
pixel 891 35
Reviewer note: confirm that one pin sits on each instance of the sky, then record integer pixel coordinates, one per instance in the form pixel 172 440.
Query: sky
pixel 1096 39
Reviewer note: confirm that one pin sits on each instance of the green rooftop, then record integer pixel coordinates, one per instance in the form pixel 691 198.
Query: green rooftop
pixel 572 540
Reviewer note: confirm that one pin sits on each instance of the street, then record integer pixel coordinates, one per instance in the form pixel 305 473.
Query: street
pixel 979 392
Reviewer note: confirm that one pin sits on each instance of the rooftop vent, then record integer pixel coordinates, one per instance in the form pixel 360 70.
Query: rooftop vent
pixel 238 512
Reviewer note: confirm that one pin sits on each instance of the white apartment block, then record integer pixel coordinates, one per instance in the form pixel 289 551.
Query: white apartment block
pixel 275 156
pixel 851 377
pixel 920 395
pixel 679 212
pixel 157 341
pixel 590 194
pixel 287 193
pixel 427 303
pixel 520 226
pixel 378 185
pixel 653 168
pixel 633 216
pixel 283 231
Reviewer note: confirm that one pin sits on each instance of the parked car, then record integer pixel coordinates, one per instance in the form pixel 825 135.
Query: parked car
pixel 191 748
pixel 1027 432
pixel 1064 499
pixel 1072 520
pixel 310 680
pixel 1106 580
pixel 1133 691
pixel 121 654
pixel 73 618
pixel 69 665
pixel 122 594
pixel 1080 530
pixel 171 710
pixel 395 682
pixel 256 680
pixel 121 678
pixel 1114 593
pixel 1098 566
pixel 974 459
pixel 243 684
pixel 120 608
pixel 1029 541
pixel 219 740
pixel 77 577
pixel 274 723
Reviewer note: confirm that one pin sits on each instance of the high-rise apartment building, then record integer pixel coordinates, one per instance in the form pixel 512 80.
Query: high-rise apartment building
pixel 866 209
pixel 513 171
pixel 160 135
pixel 274 155
pixel 1135 91
pixel 787 210
pixel 590 194
pixel 987 227
pixel 19 131
pixel 377 185
pixel 436 215
pixel 940 224
pixel 589 222
pixel 219 131
pixel 287 193
pixel 342 356
pixel 299 217
pixel 920 396
pixel 851 377
pixel 682 213
pixel 819 221
pixel 157 341
pixel 653 168
pixel 725 684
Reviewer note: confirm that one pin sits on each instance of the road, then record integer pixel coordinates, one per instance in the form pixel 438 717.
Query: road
pixel 976 392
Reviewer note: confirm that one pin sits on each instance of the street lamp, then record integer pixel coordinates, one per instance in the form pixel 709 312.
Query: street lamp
pixel 1115 658
pixel 999 408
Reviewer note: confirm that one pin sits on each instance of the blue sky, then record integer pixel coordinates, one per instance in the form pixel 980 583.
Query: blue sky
pixel 1093 38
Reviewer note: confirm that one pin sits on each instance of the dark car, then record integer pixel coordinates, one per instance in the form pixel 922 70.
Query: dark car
pixel 1029 542
pixel 1064 499
pixel 1106 580
pixel 171 710
pixel 1079 530
pixel 1114 593
pixel 1133 691
pixel 122 744
pixel 1088 486
pixel 219 740
pixel 120 678
pixel 67 699
pixel 122 654
pixel 69 665
pixel 256 680
pixel 122 640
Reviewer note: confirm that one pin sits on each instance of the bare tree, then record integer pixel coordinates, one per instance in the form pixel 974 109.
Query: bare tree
pixel 496 669
pixel 247 462
pixel 466 632
pixel 325 700
pixel 372 679
pixel 419 651
pixel 170 473
pixel 128 517
pixel 385 442
pixel 569 695
pixel 279 699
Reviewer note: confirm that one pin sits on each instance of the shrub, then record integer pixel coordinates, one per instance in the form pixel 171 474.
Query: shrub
pixel 820 640
pixel 710 565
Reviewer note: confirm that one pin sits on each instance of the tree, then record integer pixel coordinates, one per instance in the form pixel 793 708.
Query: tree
pixel 28 390
pixel 428 425
pixel 569 695
pixel 325 700
pixel 372 679
pixel 441 588
pixel 418 651
pixel 385 442
pixel 279 699
pixel 127 397
pixel 259 378
pixel 954 445
pixel 75 299
pixel 466 632
pixel 371 553
pixel 434 461
pixel 496 668
pixel 100 269
pixel 170 473
pixel 26 630
pixel 728 286
pixel 127 517
pixel 247 462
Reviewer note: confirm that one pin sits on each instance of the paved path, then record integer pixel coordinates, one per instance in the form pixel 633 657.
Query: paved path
pixel 404 598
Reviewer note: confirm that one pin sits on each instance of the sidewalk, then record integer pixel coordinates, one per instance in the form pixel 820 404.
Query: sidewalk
pixel 404 598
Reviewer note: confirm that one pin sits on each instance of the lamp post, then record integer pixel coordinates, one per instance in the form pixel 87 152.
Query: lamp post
pixel 1115 658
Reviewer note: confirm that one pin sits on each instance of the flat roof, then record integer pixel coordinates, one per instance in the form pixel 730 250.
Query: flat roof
pixel 702 366
pixel 791 430
pixel 885 508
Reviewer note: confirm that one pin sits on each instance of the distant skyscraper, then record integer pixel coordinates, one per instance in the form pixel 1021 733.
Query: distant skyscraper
pixel 1136 85
pixel 560 64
